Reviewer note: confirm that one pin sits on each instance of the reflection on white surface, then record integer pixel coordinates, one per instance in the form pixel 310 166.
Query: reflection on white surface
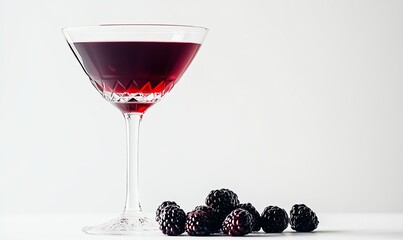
pixel 332 226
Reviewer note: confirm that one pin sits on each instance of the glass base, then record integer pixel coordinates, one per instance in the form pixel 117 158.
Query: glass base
pixel 125 224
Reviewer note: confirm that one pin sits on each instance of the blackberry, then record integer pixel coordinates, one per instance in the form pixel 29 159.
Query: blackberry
pixel 303 219
pixel 274 219
pixel 172 220
pixel 214 221
pixel 238 223
pixel 255 215
pixel 161 207
pixel 197 223
pixel 223 201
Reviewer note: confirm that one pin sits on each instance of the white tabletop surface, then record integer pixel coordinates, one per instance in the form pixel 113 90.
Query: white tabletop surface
pixel 331 226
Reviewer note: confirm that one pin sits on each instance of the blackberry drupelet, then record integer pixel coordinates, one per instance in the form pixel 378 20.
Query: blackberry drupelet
pixel 238 223
pixel 274 219
pixel 161 207
pixel 214 221
pixel 303 219
pixel 197 223
pixel 172 220
pixel 223 201
pixel 255 215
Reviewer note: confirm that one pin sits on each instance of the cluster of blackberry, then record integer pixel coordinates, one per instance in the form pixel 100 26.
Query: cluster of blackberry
pixel 223 212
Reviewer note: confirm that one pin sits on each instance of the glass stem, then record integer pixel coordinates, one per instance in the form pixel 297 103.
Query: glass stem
pixel 132 165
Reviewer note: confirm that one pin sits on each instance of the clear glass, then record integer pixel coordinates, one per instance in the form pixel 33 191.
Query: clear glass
pixel 133 66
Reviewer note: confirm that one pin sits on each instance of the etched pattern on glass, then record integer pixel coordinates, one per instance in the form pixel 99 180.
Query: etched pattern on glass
pixel 120 93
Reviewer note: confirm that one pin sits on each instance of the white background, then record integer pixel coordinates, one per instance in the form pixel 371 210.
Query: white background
pixel 287 102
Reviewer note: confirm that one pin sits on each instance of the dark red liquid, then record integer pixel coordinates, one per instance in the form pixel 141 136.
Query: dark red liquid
pixel 135 68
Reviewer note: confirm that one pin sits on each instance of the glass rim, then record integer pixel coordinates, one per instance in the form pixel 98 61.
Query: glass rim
pixel 135 25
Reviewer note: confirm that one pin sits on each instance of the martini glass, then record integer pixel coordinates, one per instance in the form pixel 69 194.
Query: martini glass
pixel 133 66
